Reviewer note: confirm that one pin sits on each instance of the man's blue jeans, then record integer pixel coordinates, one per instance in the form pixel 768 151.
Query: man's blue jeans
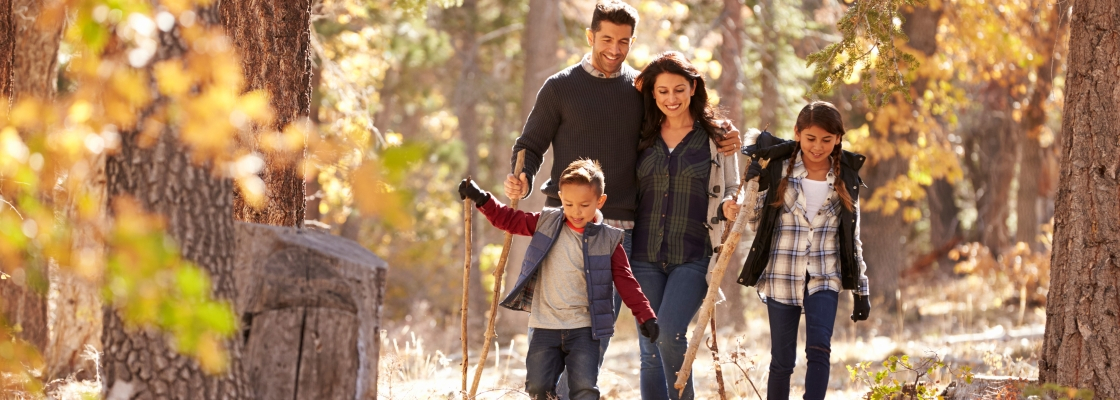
pixel 820 315
pixel 551 351
pixel 675 292
pixel 562 387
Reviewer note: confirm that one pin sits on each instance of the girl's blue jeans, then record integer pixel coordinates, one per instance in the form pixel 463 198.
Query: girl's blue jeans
pixel 820 315
pixel 675 293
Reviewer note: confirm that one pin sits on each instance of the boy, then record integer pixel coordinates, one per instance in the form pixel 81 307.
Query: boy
pixel 566 279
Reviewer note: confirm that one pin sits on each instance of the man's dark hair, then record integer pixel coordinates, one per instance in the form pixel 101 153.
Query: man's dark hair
pixel 616 12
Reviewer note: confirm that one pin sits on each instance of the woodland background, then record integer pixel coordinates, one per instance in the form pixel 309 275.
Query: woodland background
pixel 360 117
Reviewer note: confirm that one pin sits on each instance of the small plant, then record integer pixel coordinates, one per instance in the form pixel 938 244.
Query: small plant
pixel 1056 391
pixel 885 383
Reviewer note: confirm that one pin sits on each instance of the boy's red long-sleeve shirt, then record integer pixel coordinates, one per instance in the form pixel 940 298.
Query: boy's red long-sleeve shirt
pixel 524 223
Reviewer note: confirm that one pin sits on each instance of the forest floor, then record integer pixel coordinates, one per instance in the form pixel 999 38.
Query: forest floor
pixel 962 321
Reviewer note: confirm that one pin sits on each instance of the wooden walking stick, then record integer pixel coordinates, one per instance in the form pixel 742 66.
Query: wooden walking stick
pixel 499 272
pixel 467 212
pixel 748 195
pixel 714 346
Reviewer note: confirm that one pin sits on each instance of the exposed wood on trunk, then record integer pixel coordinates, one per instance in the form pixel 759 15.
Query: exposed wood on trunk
pixel 1082 324
pixel 273 38
pixel 197 208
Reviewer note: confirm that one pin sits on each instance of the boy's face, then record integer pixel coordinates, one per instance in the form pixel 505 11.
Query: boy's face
pixel 580 202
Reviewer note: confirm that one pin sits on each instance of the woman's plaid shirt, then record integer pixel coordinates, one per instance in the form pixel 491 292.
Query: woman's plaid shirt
pixel 805 247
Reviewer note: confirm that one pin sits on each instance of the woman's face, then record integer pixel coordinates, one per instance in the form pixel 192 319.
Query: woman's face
pixel 672 93
pixel 816 144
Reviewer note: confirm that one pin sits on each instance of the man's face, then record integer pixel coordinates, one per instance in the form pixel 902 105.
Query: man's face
pixel 609 46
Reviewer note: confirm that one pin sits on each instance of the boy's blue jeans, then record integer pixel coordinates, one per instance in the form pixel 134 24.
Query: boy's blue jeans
pixel 551 351
pixel 562 387
pixel 675 292
pixel 820 315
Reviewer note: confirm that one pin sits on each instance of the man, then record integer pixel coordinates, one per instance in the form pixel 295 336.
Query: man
pixel 592 110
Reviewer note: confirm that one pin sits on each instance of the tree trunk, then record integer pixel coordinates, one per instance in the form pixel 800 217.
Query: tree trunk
pixel 7 52
pixel 541 43
pixel 1082 333
pixel 273 38
pixel 768 112
pixel 29 74
pixel 880 231
pixel 197 207
pixel 1031 193
pixel 995 141
pixel 944 222
pixel 730 56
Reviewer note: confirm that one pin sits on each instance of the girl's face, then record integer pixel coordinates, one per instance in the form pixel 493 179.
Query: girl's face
pixel 816 144
pixel 672 93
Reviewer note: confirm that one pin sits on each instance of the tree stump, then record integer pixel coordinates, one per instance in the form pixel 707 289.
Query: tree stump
pixel 310 307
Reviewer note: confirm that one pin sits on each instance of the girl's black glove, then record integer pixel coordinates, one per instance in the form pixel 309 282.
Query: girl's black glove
pixel 861 308
pixel 469 190
pixel 755 169
pixel 650 330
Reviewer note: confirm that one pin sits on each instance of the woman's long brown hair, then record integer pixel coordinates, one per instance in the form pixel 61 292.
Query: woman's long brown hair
pixel 824 115
pixel 672 62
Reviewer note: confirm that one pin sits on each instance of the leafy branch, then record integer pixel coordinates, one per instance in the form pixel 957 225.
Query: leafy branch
pixel 885 383
pixel 870 30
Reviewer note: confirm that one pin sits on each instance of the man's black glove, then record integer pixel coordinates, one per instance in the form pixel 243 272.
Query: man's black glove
pixel 861 308
pixel 469 190
pixel 650 330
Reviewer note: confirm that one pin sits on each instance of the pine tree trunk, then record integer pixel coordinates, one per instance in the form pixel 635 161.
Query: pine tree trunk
pixel 731 101
pixel 7 52
pixel 1082 331
pixel 197 208
pixel 541 43
pixel 1031 194
pixel 273 38
pixel 768 112
pixel 995 139
pixel 34 50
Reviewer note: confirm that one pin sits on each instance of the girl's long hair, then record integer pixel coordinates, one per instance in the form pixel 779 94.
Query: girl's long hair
pixel 824 115
pixel 672 62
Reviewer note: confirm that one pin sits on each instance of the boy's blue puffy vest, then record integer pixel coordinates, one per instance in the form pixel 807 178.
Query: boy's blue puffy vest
pixel 599 242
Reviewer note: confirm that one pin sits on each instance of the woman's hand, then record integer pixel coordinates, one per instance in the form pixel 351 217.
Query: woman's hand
pixel 730 210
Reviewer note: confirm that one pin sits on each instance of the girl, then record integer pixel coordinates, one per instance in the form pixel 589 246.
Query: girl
pixel 682 182
pixel 807 247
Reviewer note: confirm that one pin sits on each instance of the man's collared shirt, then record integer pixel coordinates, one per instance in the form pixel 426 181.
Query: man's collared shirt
pixel 587 66
pixel 798 254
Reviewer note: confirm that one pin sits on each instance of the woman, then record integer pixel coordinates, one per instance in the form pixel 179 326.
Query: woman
pixel 807 247
pixel 683 181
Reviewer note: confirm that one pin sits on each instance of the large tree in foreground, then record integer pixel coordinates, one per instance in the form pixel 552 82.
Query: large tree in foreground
pixel 1082 343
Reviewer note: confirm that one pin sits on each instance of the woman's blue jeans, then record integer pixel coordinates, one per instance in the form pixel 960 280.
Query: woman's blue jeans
pixel 820 315
pixel 675 293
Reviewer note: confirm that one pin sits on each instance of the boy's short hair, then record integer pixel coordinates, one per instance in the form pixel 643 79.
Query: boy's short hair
pixel 584 172
pixel 616 12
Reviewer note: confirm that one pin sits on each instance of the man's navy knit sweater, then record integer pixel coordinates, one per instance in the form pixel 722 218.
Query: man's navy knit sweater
pixel 583 116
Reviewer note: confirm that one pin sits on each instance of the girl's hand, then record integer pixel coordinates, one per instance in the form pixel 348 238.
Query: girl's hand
pixel 730 210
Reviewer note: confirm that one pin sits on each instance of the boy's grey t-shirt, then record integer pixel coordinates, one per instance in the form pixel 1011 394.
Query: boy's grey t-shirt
pixel 560 294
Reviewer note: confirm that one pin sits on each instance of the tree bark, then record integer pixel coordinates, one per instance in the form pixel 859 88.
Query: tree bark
pixel 731 102
pixel 880 231
pixel 29 72
pixel 1031 193
pixel 768 112
pixel 1082 332
pixel 273 38
pixel 38 27
pixel 197 207
pixel 7 52
pixel 541 43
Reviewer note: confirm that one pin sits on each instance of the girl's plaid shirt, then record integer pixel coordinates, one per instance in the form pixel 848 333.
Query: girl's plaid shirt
pixel 805 246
